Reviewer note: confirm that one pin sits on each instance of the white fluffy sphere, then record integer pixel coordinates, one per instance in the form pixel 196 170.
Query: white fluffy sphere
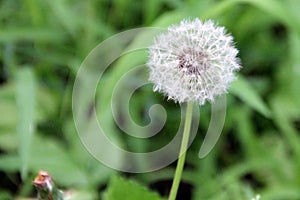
pixel 193 61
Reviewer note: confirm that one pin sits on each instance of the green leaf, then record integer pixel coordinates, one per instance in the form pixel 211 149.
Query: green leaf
pixel 5 194
pixel 10 163
pixel 151 9
pixel 8 141
pixel 45 34
pixel 47 154
pixel 8 106
pixel 25 98
pixel 63 14
pixel 276 8
pixel 120 188
pixel 247 93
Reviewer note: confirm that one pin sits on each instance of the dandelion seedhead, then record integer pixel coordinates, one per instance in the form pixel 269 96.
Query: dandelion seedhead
pixel 193 61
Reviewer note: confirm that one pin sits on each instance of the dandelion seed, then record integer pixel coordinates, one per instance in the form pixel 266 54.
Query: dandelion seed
pixel 193 61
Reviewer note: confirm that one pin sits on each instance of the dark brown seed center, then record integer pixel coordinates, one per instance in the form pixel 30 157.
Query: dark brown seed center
pixel 192 62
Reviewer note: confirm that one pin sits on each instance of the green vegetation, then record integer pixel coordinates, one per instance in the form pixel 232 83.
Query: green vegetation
pixel 43 43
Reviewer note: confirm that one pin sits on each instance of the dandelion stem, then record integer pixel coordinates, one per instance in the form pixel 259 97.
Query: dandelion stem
pixel 183 148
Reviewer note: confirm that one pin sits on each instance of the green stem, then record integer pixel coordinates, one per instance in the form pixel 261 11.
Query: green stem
pixel 183 148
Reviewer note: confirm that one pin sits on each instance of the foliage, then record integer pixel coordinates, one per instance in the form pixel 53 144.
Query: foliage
pixel 43 43
pixel 119 188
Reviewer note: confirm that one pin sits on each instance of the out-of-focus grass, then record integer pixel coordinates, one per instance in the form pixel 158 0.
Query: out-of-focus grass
pixel 43 44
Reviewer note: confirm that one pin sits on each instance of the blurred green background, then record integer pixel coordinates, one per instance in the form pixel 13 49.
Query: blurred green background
pixel 42 44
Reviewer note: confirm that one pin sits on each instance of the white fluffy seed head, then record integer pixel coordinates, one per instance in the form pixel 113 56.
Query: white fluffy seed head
pixel 193 61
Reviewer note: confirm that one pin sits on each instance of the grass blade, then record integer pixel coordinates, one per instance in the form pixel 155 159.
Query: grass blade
pixel 25 99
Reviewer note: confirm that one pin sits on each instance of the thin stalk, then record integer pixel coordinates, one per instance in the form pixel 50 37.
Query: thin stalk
pixel 183 148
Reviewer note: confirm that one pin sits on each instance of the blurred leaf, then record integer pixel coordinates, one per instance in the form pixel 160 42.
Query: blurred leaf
pixel 97 172
pixel 151 9
pixel 243 90
pixel 80 195
pixel 294 68
pixel 277 8
pixel 120 188
pixel 293 7
pixel 33 9
pixel 12 34
pixel 25 98
pixel 10 163
pixel 5 195
pixel 210 9
pixel 64 14
pixel 246 131
pixel 47 154
pixel 8 106
pixel 284 109
pixel 282 193
pixel 8 141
